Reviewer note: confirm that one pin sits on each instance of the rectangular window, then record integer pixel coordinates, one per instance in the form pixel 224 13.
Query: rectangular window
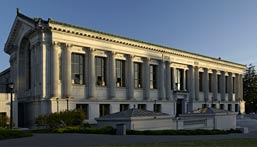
pixel 200 81
pixel 120 73
pixel 77 66
pixel 210 82
pixel 233 85
pixel 124 107
pixel 153 76
pixel 187 79
pixel 171 79
pixel 104 109
pixel 229 107
pixel 236 108
pixel 222 106
pixel 157 108
pixel 218 84
pixel 179 79
pixel 204 105
pixel 213 105
pixel 84 108
pixel 141 106
pixel 100 71
pixel 226 84
pixel 138 75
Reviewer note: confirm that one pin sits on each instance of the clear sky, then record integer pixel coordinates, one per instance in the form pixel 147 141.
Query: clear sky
pixel 216 28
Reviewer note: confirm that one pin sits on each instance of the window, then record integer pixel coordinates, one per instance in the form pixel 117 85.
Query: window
pixel 120 73
pixel 226 84
pixel 157 108
pixel 77 66
pixel 213 105
pixel 204 105
pixel 137 75
pixel 187 79
pixel 100 71
pixel 171 79
pixel 222 106
pixel 218 84
pixel 229 107
pixel 210 82
pixel 179 79
pixel 201 81
pixel 236 108
pixel 124 107
pixel 104 109
pixel 233 85
pixel 141 106
pixel 84 108
pixel 153 76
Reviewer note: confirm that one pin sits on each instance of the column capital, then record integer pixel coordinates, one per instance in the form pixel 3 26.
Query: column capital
pixel 112 53
pixel 147 59
pixel 130 56
pixel 91 49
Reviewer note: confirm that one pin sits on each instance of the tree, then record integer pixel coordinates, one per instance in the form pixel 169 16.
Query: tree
pixel 250 89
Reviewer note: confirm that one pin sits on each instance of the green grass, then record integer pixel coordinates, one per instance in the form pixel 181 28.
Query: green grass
pixel 9 134
pixel 211 143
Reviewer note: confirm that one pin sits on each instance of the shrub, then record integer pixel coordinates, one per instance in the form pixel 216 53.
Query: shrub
pixel 8 134
pixel 62 119
pixel 182 132
pixel 3 121
pixel 103 130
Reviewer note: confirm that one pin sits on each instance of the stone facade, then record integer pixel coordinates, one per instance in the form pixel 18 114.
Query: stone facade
pixel 57 66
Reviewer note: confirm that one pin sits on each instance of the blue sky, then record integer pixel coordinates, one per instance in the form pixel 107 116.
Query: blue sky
pixel 216 28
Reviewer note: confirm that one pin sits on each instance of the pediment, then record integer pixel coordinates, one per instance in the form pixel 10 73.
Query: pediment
pixel 21 26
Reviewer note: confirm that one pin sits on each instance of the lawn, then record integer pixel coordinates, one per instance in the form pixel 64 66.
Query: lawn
pixel 211 143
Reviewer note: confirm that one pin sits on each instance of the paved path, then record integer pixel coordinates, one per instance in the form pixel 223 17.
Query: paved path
pixel 73 140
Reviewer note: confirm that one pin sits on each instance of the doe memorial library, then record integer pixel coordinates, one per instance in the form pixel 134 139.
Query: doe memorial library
pixel 57 66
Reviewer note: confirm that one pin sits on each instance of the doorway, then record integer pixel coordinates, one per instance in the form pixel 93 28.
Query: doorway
pixel 179 108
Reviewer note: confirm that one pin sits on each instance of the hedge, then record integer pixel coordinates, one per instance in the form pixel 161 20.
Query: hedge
pixel 103 130
pixel 8 134
pixel 182 132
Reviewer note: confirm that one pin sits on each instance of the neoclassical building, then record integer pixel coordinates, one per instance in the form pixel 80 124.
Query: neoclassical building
pixel 57 66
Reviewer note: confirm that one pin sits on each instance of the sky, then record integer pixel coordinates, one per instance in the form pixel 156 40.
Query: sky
pixel 215 28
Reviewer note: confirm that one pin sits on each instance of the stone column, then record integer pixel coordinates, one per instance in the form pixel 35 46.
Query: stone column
pixel 222 85
pixel 174 79
pixel 161 80
pixel 168 80
pixel 91 74
pixel 112 81
pixel 237 84
pixel 241 86
pixel 68 71
pixel 206 83
pixel 230 87
pixel 146 78
pixel 196 83
pixel 214 85
pixel 184 80
pixel 191 83
pixel 55 69
pixel 130 77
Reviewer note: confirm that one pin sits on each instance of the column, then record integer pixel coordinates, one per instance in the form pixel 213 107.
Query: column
pixel 112 81
pixel 168 80
pixel 161 80
pixel 214 85
pixel 91 74
pixel 55 70
pixel 191 83
pixel 146 79
pixel 206 83
pixel 68 71
pixel 174 79
pixel 237 84
pixel 241 86
pixel 130 77
pixel 222 85
pixel 196 83
pixel 230 87
pixel 184 80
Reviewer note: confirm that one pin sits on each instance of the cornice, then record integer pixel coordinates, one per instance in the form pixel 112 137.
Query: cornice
pixel 84 32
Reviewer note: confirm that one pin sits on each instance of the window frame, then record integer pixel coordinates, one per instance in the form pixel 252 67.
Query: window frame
pixel 100 64
pixel 104 109
pixel 78 59
pixel 137 75
pixel 153 76
pixel 120 68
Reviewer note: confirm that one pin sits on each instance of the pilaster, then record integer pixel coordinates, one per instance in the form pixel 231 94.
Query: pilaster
pixel 146 78
pixel 214 85
pixel 91 74
pixel 130 77
pixel 222 85
pixel 196 83
pixel 112 75
pixel 168 81
pixel 161 80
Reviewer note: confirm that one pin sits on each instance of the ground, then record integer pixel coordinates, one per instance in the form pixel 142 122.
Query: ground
pixel 73 140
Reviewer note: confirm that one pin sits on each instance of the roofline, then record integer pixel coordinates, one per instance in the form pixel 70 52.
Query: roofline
pixel 5 71
pixel 140 41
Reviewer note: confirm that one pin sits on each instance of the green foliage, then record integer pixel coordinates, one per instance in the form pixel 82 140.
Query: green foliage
pixel 182 132
pixel 8 134
pixel 3 121
pixel 103 130
pixel 62 119
pixel 250 89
